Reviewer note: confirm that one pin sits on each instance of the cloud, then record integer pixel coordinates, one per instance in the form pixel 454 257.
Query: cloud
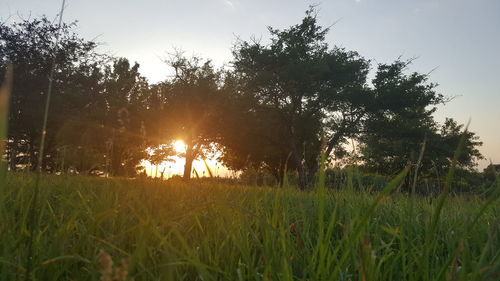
pixel 229 3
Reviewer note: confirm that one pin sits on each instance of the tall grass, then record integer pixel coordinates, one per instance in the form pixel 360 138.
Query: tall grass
pixel 207 231
pixel 32 222
pixel 5 90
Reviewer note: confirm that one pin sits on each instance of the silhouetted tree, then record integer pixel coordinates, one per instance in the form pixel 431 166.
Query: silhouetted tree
pixel 125 94
pixel 402 118
pixel 29 45
pixel 191 106
pixel 278 107
pixel 296 92
pixel 109 129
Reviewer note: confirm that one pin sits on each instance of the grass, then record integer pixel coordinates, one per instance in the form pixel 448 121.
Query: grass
pixel 209 231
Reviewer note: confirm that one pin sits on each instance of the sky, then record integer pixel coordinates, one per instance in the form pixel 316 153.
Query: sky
pixel 458 41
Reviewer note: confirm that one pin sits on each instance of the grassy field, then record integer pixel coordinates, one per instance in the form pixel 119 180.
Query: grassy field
pixel 204 230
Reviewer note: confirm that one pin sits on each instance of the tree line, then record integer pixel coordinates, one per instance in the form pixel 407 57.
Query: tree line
pixel 278 107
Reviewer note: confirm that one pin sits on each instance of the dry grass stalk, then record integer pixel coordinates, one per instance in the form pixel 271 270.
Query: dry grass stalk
pixel 108 270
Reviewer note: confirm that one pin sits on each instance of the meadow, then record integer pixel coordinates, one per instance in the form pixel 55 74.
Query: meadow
pixel 130 229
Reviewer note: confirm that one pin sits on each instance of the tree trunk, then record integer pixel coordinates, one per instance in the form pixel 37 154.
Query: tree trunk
pixel 32 158
pixel 188 167
pixel 297 157
pixel 301 170
pixel 310 174
pixel 312 171
pixel 279 174
pixel 13 156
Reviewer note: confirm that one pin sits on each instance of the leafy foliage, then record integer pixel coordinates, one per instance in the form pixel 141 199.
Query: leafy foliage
pixel 29 46
pixel 189 110
pixel 402 119
pixel 295 92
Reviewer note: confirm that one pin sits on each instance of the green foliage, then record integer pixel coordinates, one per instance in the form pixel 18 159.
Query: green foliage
pixel 106 133
pixel 123 101
pixel 292 93
pixel 81 147
pixel 211 231
pixel 29 46
pixel 257 177
pixel 96 110
pixel 402 119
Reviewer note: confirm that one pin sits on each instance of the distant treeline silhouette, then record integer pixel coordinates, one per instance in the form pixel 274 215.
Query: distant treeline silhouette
pixel 276 107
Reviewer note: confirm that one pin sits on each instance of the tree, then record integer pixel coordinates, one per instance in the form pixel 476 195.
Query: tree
pixel 190 107
pixel 30 45
pixel 295 92
pixel 450 134
pixel 125 94
pixel 81 146
pixel 402 119
pixel 160 154
pixel 109 129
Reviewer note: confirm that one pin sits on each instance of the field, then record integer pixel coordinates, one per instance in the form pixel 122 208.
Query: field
pixel 206 230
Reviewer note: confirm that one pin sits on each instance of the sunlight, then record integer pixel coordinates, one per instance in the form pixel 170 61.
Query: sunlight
pixel 175 167
pixel 179 146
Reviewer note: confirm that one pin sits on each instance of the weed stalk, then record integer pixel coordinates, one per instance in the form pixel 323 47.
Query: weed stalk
pixel 32 220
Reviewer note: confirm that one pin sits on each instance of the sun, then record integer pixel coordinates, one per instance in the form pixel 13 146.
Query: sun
pixel 179 146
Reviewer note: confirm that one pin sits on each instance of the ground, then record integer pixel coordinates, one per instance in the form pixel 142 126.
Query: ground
pixel 88 228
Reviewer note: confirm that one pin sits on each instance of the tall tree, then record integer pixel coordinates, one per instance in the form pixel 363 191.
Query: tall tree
pixel 29 45
pixel 298 92
pixel 125 94
pixel 191 106
pixel 109 130
pixel 402 119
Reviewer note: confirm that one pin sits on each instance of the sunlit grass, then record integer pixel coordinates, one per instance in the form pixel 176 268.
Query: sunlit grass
pixel 208 231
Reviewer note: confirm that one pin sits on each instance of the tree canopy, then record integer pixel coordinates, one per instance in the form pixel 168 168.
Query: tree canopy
pixel 278 106
pixel 297 94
